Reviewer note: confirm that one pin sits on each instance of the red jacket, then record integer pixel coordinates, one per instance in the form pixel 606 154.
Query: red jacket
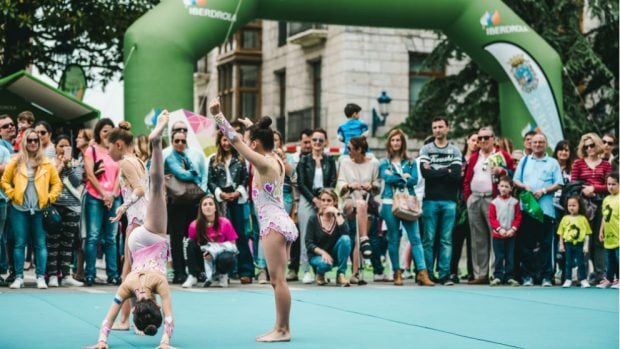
pixel 469 174
pixel 495 224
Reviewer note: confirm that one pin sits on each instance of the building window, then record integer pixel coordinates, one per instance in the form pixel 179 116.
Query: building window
pixel 298 27
pixel 250 39
pixel 225 87
pixel 282 33
pixel 316 93
pixel 249 88
pixel 419 75
pixel 281 121
pixel 297 122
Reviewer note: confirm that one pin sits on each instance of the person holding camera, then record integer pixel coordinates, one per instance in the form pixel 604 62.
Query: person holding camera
pixel 315 171
pixel 101 201
pixel 228 179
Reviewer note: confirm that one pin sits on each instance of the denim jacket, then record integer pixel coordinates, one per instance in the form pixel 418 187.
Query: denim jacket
pixel 395 179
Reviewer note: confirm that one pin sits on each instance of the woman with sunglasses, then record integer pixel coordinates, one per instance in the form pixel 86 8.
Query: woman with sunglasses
pixel 32 183
pixel 315 171
pixel 44 130
pixel 277 230
pixel 593 171
pixel 182 164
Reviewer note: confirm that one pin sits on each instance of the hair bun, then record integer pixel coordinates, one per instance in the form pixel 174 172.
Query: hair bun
pixel 150 330
pixel 264 122
pixel 125 125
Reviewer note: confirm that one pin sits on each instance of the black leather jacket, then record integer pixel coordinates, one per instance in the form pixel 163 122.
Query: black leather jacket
pixel 217 175
pixel 305 174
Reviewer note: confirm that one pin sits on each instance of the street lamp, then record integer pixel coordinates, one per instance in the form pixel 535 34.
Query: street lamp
pixel 378 119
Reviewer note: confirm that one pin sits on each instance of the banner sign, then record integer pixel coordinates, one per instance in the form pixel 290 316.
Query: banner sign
pixel 533 87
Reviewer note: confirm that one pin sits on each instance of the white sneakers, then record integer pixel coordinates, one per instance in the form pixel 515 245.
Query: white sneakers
pixel 585 283
pixel 18 283
pixel 53 281
pixel 41 282
pixel 568 283
pixel 190 282
pixel 70 281
pixel 307 279
pixel 223 280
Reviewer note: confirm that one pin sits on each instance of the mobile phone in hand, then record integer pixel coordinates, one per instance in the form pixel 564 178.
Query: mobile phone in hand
pixel 67 152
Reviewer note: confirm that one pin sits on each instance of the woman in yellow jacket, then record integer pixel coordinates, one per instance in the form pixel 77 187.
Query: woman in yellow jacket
pixel 31 182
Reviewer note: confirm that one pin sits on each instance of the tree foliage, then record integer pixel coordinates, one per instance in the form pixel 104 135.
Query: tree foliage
pixel 590 79
pixel 51 34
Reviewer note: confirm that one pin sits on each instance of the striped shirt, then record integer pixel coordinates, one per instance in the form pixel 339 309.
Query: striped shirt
pixel 596 177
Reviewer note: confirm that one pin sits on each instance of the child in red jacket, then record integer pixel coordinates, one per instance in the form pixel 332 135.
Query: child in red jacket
pixel 505 219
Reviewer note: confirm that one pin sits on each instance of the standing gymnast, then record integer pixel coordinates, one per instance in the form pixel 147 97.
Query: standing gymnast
pixel 149 248
pixel 277 230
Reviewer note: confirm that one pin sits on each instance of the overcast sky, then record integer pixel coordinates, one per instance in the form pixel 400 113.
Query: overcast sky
pixel 109 103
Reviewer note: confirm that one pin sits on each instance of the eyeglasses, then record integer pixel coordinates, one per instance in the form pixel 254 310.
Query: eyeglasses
pixel 318 140
pixel 180 141
pixel 484 138
pixel 180 129
pixel 5 126
pixel 608 142
pixel 42 133
pixel 589 146
pixel 33 140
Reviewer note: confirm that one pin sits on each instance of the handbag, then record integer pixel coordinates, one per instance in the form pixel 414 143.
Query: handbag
pixel 180 192
pixel 51 218
pixel 405 206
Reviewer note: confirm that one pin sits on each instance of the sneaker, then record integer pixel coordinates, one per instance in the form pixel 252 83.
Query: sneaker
pixel 585 283
pixel 223 280
pixel 567 283
pixel 190 282
pixel 446 281
pixel 207 283
pixel 513 282
pixel 380 278
pixel 495 282
pixel 527 282
pixel 70 281
pixel 320 280
pixel 11 277
pixel 307 279
pixel 53 281
pixel 18 283
pixel 41 282
pixel 546 283
pixel 262 277
pixel 615 284
pixel 292 276
pixel 604 284
pixel 114 281
pixel 366 248
pixel 89 281
pixel 455 278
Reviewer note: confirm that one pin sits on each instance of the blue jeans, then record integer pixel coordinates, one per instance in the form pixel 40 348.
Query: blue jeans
pixel 504 250
pixel 99 228
pixel 4 263
pixel 612 263
pixel 340 253
pixel 575 253
pixel 236 213
pixel 25 224
pixel 394 233
pixel 439 217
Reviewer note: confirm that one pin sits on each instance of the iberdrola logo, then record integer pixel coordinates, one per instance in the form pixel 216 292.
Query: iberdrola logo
pixel 194 2
pixel 490 19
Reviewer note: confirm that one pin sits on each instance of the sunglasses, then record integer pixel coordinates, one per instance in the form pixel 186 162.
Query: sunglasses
pixel 5 126
pixel 484 138
pixel 180 129
pixel 318 140
pixel 180 141
pixel 589 146
pixel 33 140
pixel 604 142
pixel 42 133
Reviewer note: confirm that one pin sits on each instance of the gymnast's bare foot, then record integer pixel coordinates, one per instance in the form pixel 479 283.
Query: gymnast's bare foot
pixel 275 336
pixel 162 120
pixel 121 326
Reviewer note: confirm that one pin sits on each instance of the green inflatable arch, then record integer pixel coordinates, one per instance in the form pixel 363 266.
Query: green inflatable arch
pixel 162 47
